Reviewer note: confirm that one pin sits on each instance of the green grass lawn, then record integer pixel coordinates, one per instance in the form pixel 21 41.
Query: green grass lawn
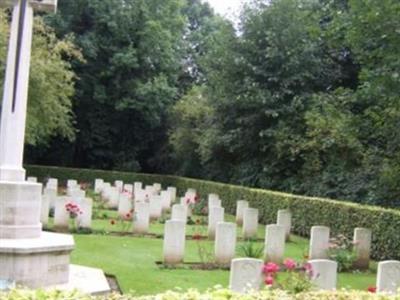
pixel 133 260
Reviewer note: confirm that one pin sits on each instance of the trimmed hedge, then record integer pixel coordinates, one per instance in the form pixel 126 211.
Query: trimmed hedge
pixel 342 217
pixel 195 295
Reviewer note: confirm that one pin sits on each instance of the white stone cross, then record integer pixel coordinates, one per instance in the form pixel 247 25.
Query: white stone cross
pixel 13 114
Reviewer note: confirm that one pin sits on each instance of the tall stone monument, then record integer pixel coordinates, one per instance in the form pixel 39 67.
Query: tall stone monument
pixel 29 257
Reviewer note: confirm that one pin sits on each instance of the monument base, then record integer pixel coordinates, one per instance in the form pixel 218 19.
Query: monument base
pixel 38 262
pixel 20 204
pixel 85 280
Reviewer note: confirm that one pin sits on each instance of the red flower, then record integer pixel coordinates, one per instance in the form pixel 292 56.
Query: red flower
pixel 112 222
pixel 196 198
pixel 269 280
pixel 270 268
pixel 128 215
pixel 196 236
pixel 372 289
pixel 290 264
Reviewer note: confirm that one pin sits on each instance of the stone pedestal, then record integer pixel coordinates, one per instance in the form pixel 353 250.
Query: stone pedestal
pixel 20 204
pixel 37 262
pixel 29 257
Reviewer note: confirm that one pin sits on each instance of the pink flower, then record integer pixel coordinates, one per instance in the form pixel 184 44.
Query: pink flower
pixel 269 280
pixel 187 201
pixel 308 269
pixel 290 264
pixel 270 268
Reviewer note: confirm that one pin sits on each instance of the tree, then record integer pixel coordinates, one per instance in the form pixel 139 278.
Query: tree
pixel 133 51
pixel 51 83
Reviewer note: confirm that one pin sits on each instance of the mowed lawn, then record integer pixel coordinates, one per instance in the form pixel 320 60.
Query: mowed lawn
pixel 133 260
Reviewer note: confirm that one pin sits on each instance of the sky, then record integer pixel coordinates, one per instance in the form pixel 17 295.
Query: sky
pixel 228 8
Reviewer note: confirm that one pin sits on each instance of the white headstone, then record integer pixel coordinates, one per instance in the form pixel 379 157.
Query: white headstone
pixel 186 202
pixel 246 275
pixel 141 219
pixel 166 200
pixel 215 215
pixel 155 207
pixel 98 185
pixel 150 190
pixel 137 186
pixel 284 219
pixel 388 277
pixel 174 242
pixel 52 183
pixel 128 188
pixel 191 191
pixel 124 205
pixel 250 223
pixel 241 205
pixel 213 200
pixel 113 197
pixel 173 192
pixel 179 212
pixel 324 273
pixel 319 242
pixel 157 187
pixel 274 249
pixel 141 196
pixel 71 183
pixel 52 196
pixel 362 247
pixel 76 194
pixel 119 184
pixel 61 216
pixel 84 220
pixel 225 242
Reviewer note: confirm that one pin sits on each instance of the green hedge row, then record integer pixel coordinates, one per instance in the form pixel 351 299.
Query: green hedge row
pixel 342 217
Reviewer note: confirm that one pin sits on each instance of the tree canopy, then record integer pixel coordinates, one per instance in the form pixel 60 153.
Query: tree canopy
pixel 302 96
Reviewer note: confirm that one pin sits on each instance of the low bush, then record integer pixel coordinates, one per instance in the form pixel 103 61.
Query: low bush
pixel 342 217
pixel 219 294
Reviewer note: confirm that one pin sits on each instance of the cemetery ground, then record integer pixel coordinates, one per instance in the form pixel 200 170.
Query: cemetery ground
pixel 133 258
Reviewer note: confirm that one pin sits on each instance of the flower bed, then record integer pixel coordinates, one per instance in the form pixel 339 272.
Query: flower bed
pixel 219 294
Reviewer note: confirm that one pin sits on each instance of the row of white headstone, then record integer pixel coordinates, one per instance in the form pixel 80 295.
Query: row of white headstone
pixel 276 236
pixel 75 195
pixel 246 275
pixel 147 203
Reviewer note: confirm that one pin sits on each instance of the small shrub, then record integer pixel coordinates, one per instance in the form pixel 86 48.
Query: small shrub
pixel 250 249
pixel 341 250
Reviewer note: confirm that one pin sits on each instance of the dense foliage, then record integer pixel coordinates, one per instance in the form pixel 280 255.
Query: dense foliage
pixel 341 217
pixel 51 83
pixel 303 96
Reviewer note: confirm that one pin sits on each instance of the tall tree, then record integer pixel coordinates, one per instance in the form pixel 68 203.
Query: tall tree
pixel 51 82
